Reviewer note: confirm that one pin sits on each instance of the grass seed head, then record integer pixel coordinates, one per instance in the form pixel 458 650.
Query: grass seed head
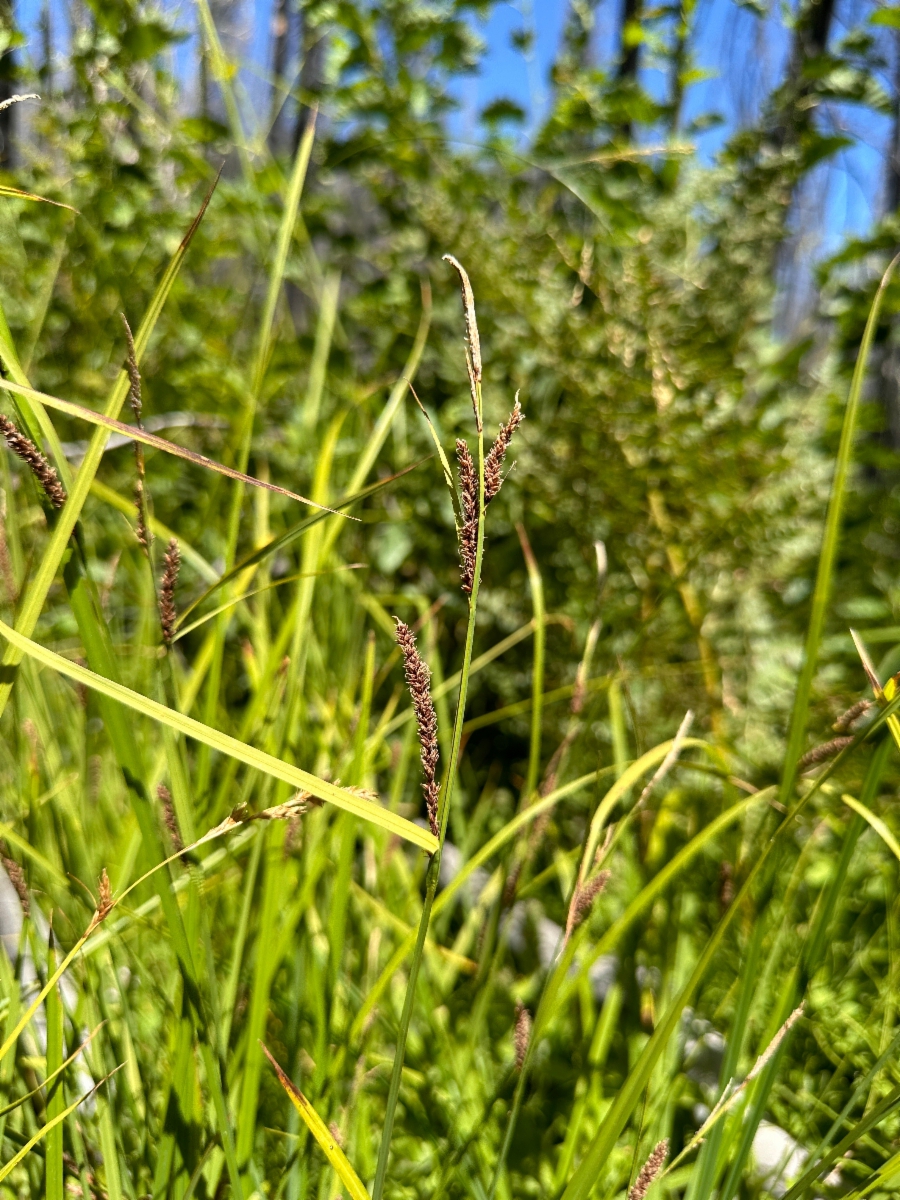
pixel 493 463
pixel 104 896
pixel 40 468
pixel 168 807
pixel 167 612
pixel 583 900
pixel 418 680
pixel 820 754
pixel 649 1171
pixel 468 532
pixel 522 1035
pixel 17 879
pixel 134 375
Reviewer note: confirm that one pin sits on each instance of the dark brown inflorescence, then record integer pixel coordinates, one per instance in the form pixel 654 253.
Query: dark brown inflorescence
pixel 418 680
pixel 25 449
pixel 845 720
pixel 17 879
pixel 649 1171
pixel 167 613
pixel 583 900
pixel 468 532
pixel 822 753
pixel 168 806
pixel 493 462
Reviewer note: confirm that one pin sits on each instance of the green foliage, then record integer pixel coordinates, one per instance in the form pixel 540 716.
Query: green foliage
pixel 628 293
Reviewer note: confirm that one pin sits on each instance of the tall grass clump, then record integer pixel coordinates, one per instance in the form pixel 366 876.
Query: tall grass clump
pixel 289 906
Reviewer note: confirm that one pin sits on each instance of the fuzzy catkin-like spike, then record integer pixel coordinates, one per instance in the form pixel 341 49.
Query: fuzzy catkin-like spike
pixel 418 680
pixel 846 719
pixel 822 753
pixel 649 1170
pixel 134 375
pixel 25 449
pixel 104 901
pixel 167 613
pixel 493 462
pixel 165 797
pixel 468 533
pixel 583 900
pixel 522 1036
pixel 17 879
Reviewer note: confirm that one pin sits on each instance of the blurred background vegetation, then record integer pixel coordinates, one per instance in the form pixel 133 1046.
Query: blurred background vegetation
pixel 682 343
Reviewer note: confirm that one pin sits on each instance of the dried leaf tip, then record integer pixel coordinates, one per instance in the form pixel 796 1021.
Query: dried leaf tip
pixel 493 462
pixel 522 1035
pixel 167 613
pixel 649 1171
pixel 468 531
pixel 40 468
pixel 468 299
pixel 418 680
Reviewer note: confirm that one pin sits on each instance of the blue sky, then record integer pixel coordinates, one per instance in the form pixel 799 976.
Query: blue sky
pixel 741 55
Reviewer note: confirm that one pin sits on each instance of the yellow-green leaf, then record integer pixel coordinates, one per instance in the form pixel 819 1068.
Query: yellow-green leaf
pixel 321 1133
pixel 360 806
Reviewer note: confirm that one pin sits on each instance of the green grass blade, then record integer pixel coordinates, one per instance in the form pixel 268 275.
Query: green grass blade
pixel 56 1102
pixel 361 807
pixel 828 553
pixel 33 599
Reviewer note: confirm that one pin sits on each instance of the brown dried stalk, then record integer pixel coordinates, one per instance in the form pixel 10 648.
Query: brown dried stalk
pixel 468 531
pixel 167 613
pixel 473 342
pixel 25 449
pixel 827 750
pixel 418 680
pixel 522 1036
pixel 144 536
pixel 649 1171
pixel 493 462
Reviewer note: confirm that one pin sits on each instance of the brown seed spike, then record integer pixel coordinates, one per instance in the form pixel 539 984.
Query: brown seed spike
pixel 165 797
pixel 468 532
pixel 493 463
pixel 583 900
pixel 649 1171
pixel 827 750
pixel 17 879
pixel 25 449
pixel 104 902
pixel 522 1036
pixel 167 613
pixel 418 680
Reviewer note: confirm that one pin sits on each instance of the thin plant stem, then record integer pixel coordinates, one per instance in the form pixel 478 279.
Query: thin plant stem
pixel 434 866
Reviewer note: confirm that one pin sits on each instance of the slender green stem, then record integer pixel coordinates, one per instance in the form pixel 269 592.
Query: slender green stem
pixel 434 866
pixel 828 554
